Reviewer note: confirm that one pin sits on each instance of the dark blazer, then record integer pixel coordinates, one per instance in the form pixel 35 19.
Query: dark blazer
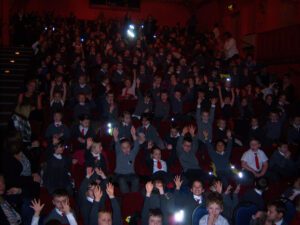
pixel 85 205
pixel 12 169
pixel 90 161
pixel 152 135
pixel 116 213
pixel 53 215
pixel 188 204
pixel 255 198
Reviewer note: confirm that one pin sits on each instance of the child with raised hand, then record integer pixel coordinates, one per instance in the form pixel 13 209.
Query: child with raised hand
pixel 125 157
pixel 105 217
pixel 86 194
pixel 62 211
pixel 147 208
pixel 214 207
pixel 37 207
pixel 220 155
pixel 93 155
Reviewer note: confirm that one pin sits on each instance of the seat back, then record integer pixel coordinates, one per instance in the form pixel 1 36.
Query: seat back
pixel 243 213
pixel 198 213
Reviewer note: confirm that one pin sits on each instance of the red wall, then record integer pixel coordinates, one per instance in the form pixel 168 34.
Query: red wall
pixel 165 13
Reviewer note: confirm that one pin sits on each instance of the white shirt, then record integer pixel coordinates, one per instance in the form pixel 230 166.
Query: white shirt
pixel 220 221
pixel 70 217
pixel 58 156
pixel 198 199
pixel 84 128
pixel 279 222
pixel 249 158
pixel 163 166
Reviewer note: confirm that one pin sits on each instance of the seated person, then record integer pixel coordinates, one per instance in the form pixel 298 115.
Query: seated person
pixel 125 157
pixel 144 105
pixel 62 211
pixel 255 131
pixel 221 157
pixel 57 129
pixel 125 125
pixel 230 199
pixel 189 202
pixel 6 208
pixel 57 171
pixel 292 192
pixel 214 207
pixel 255 195
pixel 156 164
pixel 109 108
pixel 128 92
pixel 57 102
pixel 187 147
pixel 274 126
pixel 81 87
pixel 93 155
pixel 281 165
pixel 150 131
pixel 83 106
pixel 276 212
pixel 171 142
pixel 254 161
pixel 155 199
pixel 82 131
pixel 88 192
pixel 104 217
pixel 205 119
pixel 162 107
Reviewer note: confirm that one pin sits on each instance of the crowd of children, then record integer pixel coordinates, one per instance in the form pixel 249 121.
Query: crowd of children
pixel 181 118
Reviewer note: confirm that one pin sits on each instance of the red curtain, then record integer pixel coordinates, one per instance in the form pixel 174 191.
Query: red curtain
pixel 279 46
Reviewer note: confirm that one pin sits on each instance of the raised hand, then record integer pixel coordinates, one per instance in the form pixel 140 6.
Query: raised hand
pixel 133 132
pixel 192 130
pixel 237 189
pixel 89 143
pixel 66 207
pixel 89 172
pixel 100 173
pixel 178 182
pixel 185 130
pixel 160 188
pixel 97 193
pixel 149 188
pixel 14 191
pixel 229 134
pixel 110 190
pixel 228 189
pixel 37 207
pixel 219 187
pixel 116 134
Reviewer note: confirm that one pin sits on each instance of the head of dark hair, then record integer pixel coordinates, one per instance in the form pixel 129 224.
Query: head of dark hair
pixel 155 213
pixel 83 117
pixel 14 144
pixel 124 140
pixel 279 206
pixel 146 116
pixel 261 183
pixel 188 138
pixel 60 193
pixel 214 197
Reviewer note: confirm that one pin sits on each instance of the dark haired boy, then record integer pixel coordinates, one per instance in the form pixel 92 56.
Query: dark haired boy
pixel 276 212
pixel 62 211
pixel 57 129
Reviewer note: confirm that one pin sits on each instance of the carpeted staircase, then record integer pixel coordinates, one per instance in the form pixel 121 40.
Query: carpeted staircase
pixel 14 64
